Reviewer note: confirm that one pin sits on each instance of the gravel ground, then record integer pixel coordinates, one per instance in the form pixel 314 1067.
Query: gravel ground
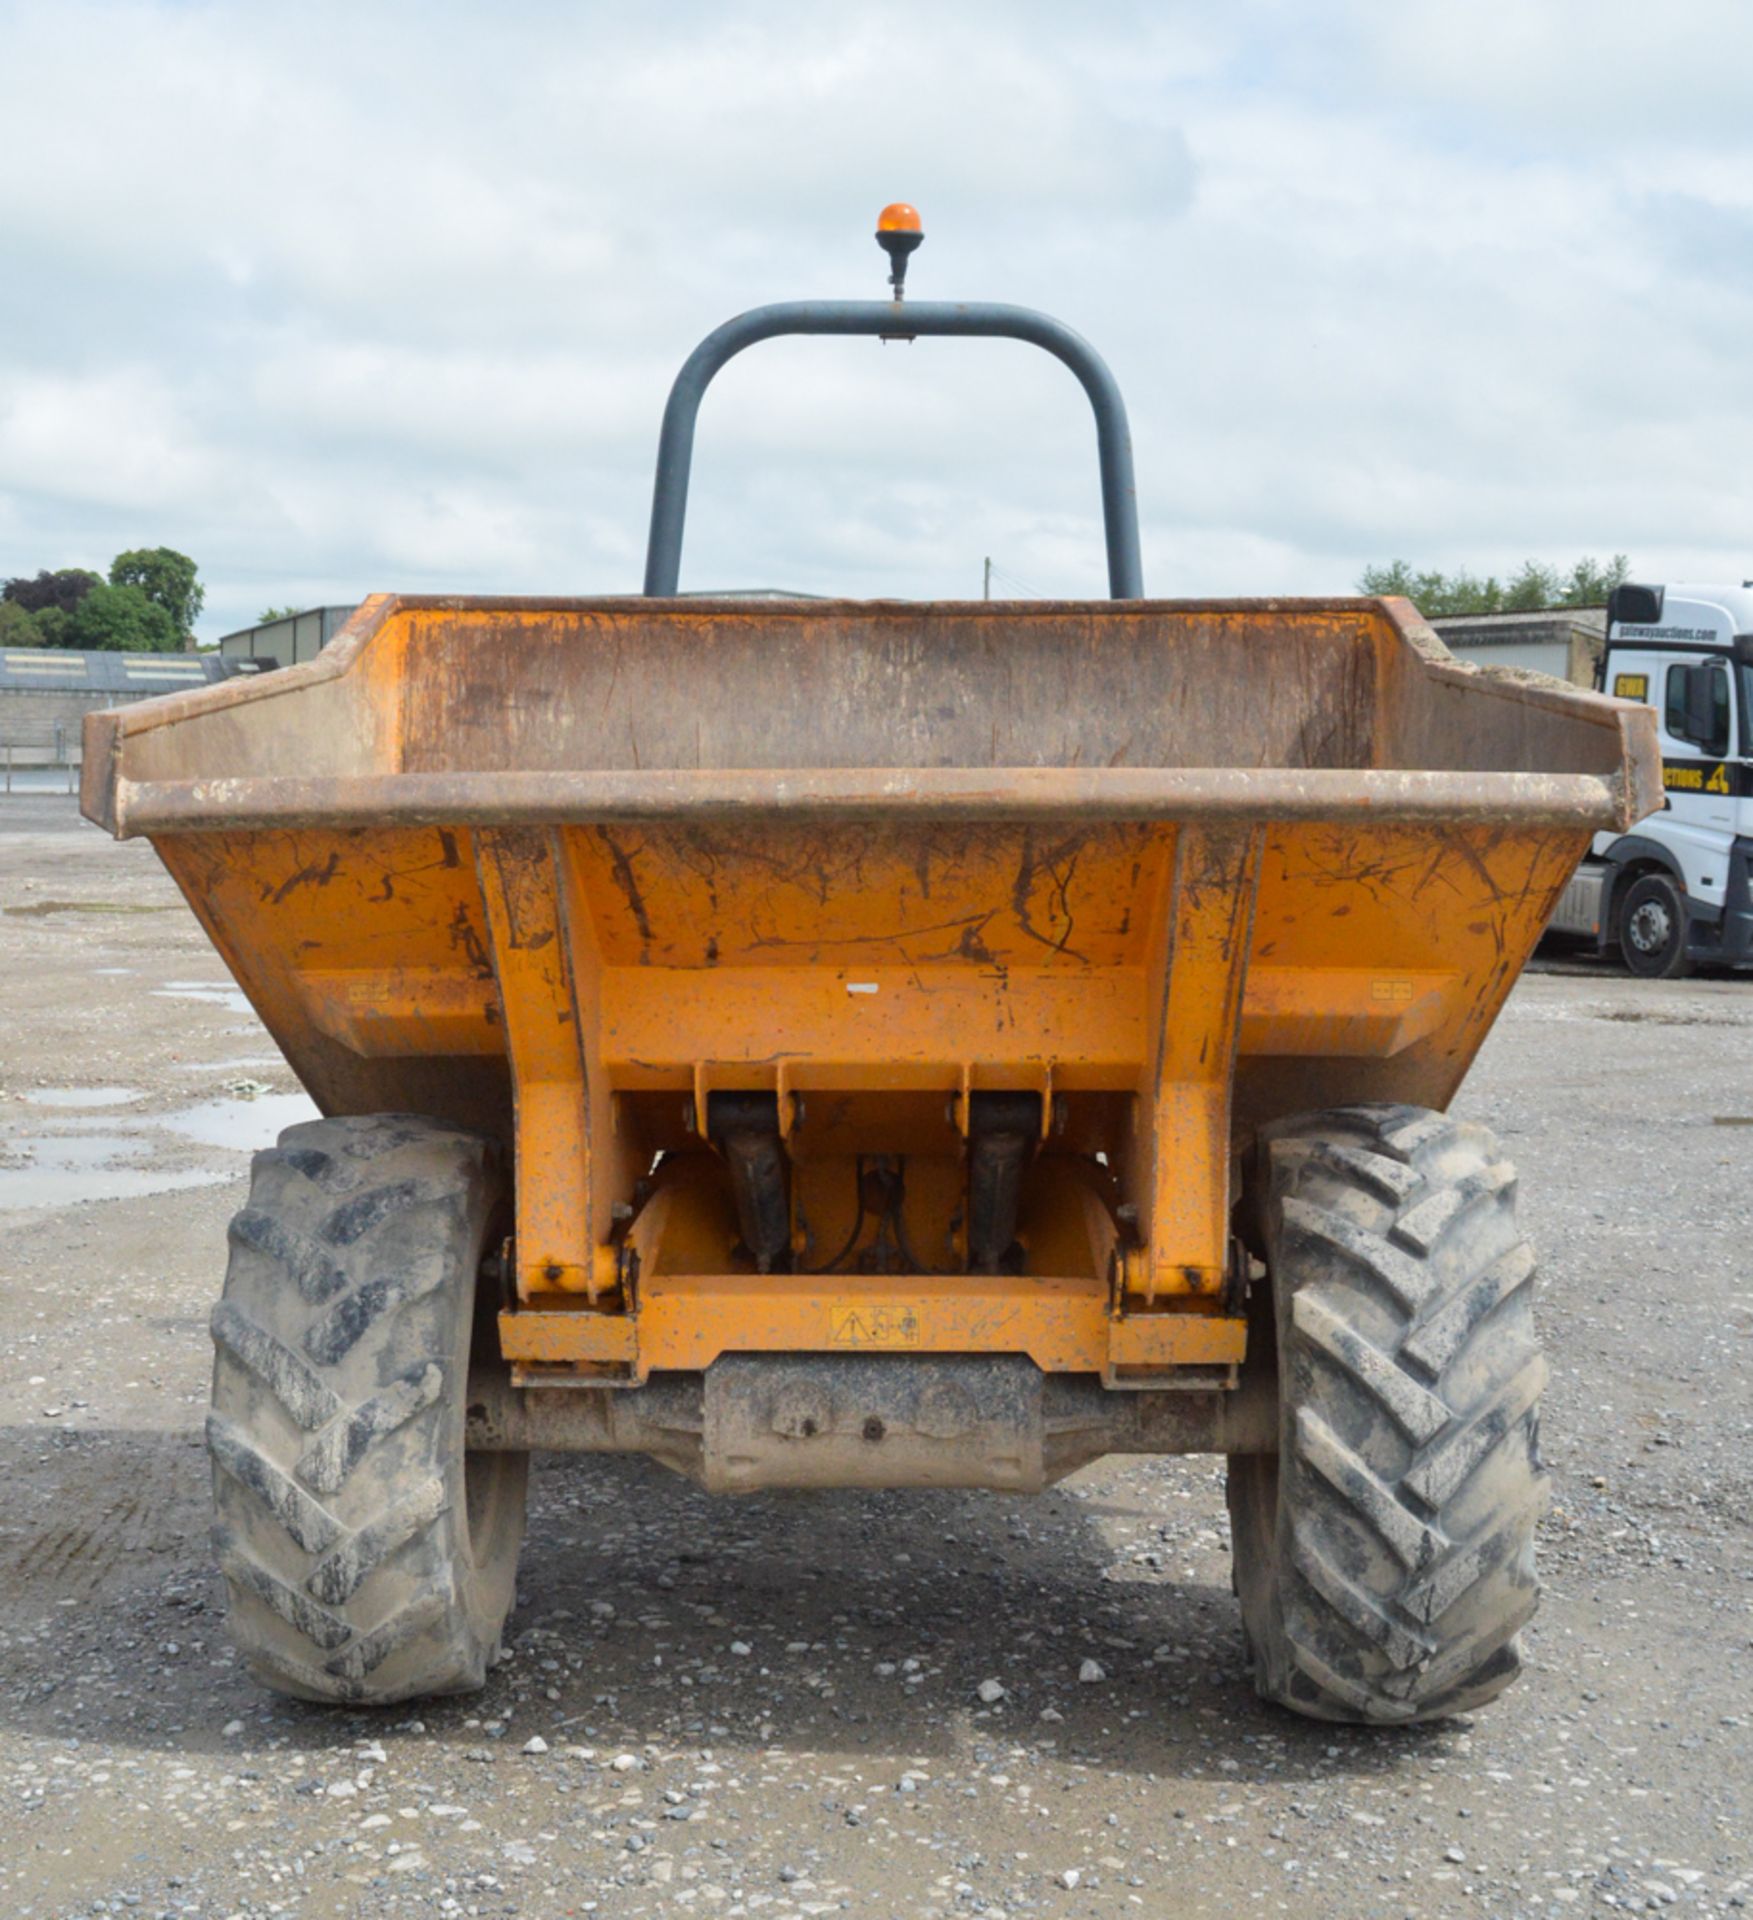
pixel 781 1705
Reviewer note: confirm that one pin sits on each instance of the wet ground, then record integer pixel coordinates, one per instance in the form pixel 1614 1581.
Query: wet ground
pixel 775 1706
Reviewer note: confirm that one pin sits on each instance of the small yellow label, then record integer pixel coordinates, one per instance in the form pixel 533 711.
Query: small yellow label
pixel 1396 992
pixel 1631 686
pixel 873 1323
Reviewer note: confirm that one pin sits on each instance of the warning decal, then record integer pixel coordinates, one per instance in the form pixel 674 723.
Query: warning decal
pixel 873 1323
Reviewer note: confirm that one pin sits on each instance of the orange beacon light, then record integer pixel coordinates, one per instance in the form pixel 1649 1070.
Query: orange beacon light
pixel 899 232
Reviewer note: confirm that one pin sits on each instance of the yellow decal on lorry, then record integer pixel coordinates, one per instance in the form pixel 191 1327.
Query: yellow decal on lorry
pixel 1705 779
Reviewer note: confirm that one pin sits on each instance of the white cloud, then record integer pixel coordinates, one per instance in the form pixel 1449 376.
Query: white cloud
pixel 338 298
pixel 118 437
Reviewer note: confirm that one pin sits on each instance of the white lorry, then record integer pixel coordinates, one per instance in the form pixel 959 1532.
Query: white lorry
pixel 1678 889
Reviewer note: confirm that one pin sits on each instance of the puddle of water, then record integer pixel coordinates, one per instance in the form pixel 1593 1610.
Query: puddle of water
pixel 241 1125
pixel 81 1096
pixel 112 970
pixel 26 1189
pixel 238 1063
pixel 69 1153
pixel 63 1171
pixel 212 993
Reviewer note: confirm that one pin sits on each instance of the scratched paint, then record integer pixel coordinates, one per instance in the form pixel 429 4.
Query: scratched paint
pixel 563 870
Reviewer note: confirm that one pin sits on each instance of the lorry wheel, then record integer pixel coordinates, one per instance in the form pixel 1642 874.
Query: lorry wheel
pixel 367 1557
pixel 1384 1557
pixel 1652 928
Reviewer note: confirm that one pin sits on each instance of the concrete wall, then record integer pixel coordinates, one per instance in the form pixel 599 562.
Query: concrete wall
pixel 1566 642
pixel 29 721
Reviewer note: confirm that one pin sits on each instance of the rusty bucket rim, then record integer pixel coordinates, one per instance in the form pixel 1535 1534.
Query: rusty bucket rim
pixel 1166 795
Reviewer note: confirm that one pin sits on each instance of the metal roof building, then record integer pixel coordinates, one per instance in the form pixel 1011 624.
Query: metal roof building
pixel 283 643
pixel 46 692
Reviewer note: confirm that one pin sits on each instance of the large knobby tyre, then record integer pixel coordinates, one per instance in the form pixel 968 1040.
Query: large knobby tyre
pixel 367 1556
pixel 1384 1557
pixel 1653 932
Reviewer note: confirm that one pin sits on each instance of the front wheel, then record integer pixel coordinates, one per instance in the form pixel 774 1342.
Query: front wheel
pixel 1652 930
pixel 368 1557
pixel 1384 1556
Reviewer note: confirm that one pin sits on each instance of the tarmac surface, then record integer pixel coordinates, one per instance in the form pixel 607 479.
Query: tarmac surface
pixel 774 1706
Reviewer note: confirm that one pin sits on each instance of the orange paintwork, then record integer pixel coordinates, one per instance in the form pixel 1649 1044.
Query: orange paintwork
pixel 687 1320
pixel 555 1247
pixel 1180 1156
pixel 620 974
pixel 562 871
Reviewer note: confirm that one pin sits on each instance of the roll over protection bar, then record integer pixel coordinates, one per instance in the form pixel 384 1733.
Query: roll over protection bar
pixel 895 320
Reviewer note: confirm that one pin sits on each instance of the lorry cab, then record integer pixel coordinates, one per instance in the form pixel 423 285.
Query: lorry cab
pixel 1679 890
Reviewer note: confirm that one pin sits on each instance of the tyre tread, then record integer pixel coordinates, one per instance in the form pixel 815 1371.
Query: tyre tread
pixel 307 1398
pixel 332 1388
pixel 1390 1580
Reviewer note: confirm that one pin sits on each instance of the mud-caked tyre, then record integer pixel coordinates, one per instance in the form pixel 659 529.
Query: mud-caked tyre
pixel 1384 1558
pixel 368 1557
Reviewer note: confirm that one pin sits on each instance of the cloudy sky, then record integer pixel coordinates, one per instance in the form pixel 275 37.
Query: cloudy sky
pixel 363 296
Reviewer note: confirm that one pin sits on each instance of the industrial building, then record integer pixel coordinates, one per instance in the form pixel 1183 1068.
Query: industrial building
pixel 1566 642
pixel 284 643
pixel 46 692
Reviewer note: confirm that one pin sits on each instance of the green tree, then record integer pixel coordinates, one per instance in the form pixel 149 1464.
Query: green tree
pixel 1462 592
pixel 63 589
pixel 54 626
pixel 1533 585
pixel 1590 582
pixel 277 613
pixel 1396 578
pixel 167 578
pixel 1433 592
pixel 123 619
pixel 48 627
pixel 17 628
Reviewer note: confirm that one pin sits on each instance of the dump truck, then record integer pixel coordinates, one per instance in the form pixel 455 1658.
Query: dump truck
pixel 866 1044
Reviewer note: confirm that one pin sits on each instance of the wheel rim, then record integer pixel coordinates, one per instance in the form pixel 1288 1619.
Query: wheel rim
pixel 1651 927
